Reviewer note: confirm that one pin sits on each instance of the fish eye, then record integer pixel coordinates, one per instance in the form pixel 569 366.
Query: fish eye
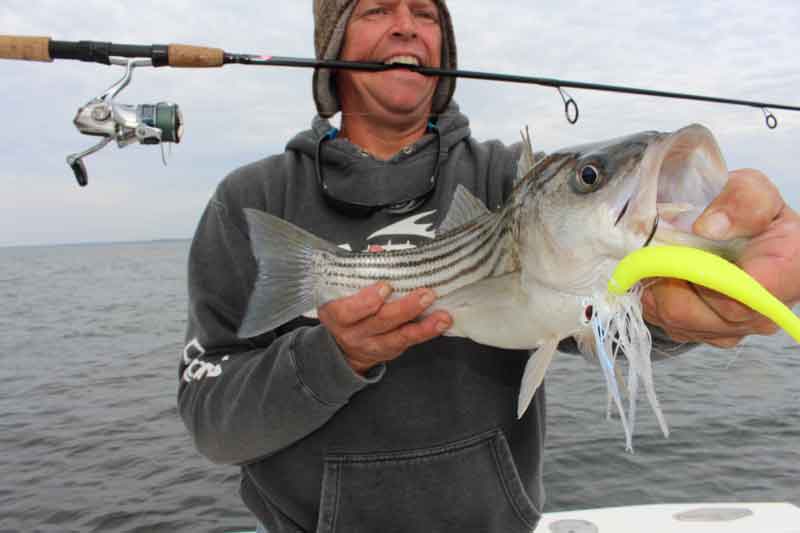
pixel 589 175
pixel 587 179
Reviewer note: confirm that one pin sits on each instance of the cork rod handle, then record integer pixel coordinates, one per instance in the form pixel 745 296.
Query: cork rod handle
pixel 25 48
pixel 186 56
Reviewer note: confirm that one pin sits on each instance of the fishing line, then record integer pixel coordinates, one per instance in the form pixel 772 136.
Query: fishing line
pixel 736 355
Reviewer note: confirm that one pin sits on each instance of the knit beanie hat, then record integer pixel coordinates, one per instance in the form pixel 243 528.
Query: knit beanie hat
pixel 330 22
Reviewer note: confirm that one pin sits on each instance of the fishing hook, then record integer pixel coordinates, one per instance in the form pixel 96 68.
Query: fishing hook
pixel 652 232
pixel 772 122
pixel 571 110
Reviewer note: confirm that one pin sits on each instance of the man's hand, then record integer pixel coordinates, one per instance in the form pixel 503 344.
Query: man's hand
pixel 749 206
pixel 370 330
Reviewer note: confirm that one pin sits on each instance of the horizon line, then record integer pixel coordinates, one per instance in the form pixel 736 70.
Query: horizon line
pixel 93 243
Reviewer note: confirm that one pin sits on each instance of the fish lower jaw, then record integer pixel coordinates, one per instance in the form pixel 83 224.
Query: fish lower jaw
pixel 635 230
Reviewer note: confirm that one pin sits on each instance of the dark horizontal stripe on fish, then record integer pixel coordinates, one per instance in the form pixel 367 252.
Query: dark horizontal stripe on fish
pixel 417 256
pixel 483 251
pixel 501 254
pixel 421 254
pixel 427 247
pixel 430 285
pixel 396 291
pixel 447 260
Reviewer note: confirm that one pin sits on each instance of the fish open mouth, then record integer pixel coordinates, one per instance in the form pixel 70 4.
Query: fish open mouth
pixel 680 173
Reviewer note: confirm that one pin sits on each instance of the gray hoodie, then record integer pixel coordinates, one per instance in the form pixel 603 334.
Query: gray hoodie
pixel 428 442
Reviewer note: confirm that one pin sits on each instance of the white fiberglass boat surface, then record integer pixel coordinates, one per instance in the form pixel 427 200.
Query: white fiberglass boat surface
pixel 677 518
pixel 673 518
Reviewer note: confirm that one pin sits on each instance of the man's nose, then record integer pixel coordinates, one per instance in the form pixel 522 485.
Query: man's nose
pixel 405 25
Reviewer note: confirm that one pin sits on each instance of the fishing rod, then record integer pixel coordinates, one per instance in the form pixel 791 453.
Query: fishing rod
pixel 163 122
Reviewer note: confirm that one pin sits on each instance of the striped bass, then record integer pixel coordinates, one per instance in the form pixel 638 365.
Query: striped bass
pixel 532 273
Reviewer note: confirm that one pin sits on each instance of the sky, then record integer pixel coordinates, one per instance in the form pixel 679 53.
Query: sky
pixel 236 114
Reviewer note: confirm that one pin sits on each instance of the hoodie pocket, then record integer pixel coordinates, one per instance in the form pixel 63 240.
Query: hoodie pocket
pixel 469 485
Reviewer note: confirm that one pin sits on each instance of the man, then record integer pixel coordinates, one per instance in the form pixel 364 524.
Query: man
pixel 365 420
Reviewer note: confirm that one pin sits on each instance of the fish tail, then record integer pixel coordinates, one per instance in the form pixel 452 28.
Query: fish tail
pixel 288 272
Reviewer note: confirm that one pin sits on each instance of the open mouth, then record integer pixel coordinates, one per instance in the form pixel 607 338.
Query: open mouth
pixel 403 60
pixel 679 175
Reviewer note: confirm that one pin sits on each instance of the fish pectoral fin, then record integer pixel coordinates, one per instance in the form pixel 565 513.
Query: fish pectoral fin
pixel 535 369
pixel 464 208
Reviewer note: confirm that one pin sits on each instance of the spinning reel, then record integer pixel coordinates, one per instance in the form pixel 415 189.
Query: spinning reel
pixel 127 124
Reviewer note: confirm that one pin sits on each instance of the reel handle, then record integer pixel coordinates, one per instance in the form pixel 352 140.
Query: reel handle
pixel 79 169
pixel 25 48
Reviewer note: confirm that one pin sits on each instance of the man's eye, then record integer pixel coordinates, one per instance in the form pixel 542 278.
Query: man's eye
pixel 375 11
pixel 429 15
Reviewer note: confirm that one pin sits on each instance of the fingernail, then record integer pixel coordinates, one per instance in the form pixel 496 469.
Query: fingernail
pixel 441 327
pixel 427 299
pixel 384 291
pixel 715 226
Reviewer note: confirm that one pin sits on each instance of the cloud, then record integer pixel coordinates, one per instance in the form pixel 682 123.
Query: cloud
pixel 238 114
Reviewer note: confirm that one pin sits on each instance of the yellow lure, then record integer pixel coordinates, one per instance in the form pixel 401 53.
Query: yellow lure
pixel 706 269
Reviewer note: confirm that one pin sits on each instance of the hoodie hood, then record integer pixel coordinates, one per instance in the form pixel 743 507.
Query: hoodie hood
pixel 351 173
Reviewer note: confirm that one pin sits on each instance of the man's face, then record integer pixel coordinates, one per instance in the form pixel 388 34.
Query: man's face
pixel 384 30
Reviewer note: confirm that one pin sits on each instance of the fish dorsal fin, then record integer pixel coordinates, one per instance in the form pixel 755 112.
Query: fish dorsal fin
pixel 528 159
pixel 464 208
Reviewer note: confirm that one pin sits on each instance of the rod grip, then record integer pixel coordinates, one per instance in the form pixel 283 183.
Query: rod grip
pixel 186 56
pixel 25 48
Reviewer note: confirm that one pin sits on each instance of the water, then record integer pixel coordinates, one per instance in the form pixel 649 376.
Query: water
pixel 90 439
